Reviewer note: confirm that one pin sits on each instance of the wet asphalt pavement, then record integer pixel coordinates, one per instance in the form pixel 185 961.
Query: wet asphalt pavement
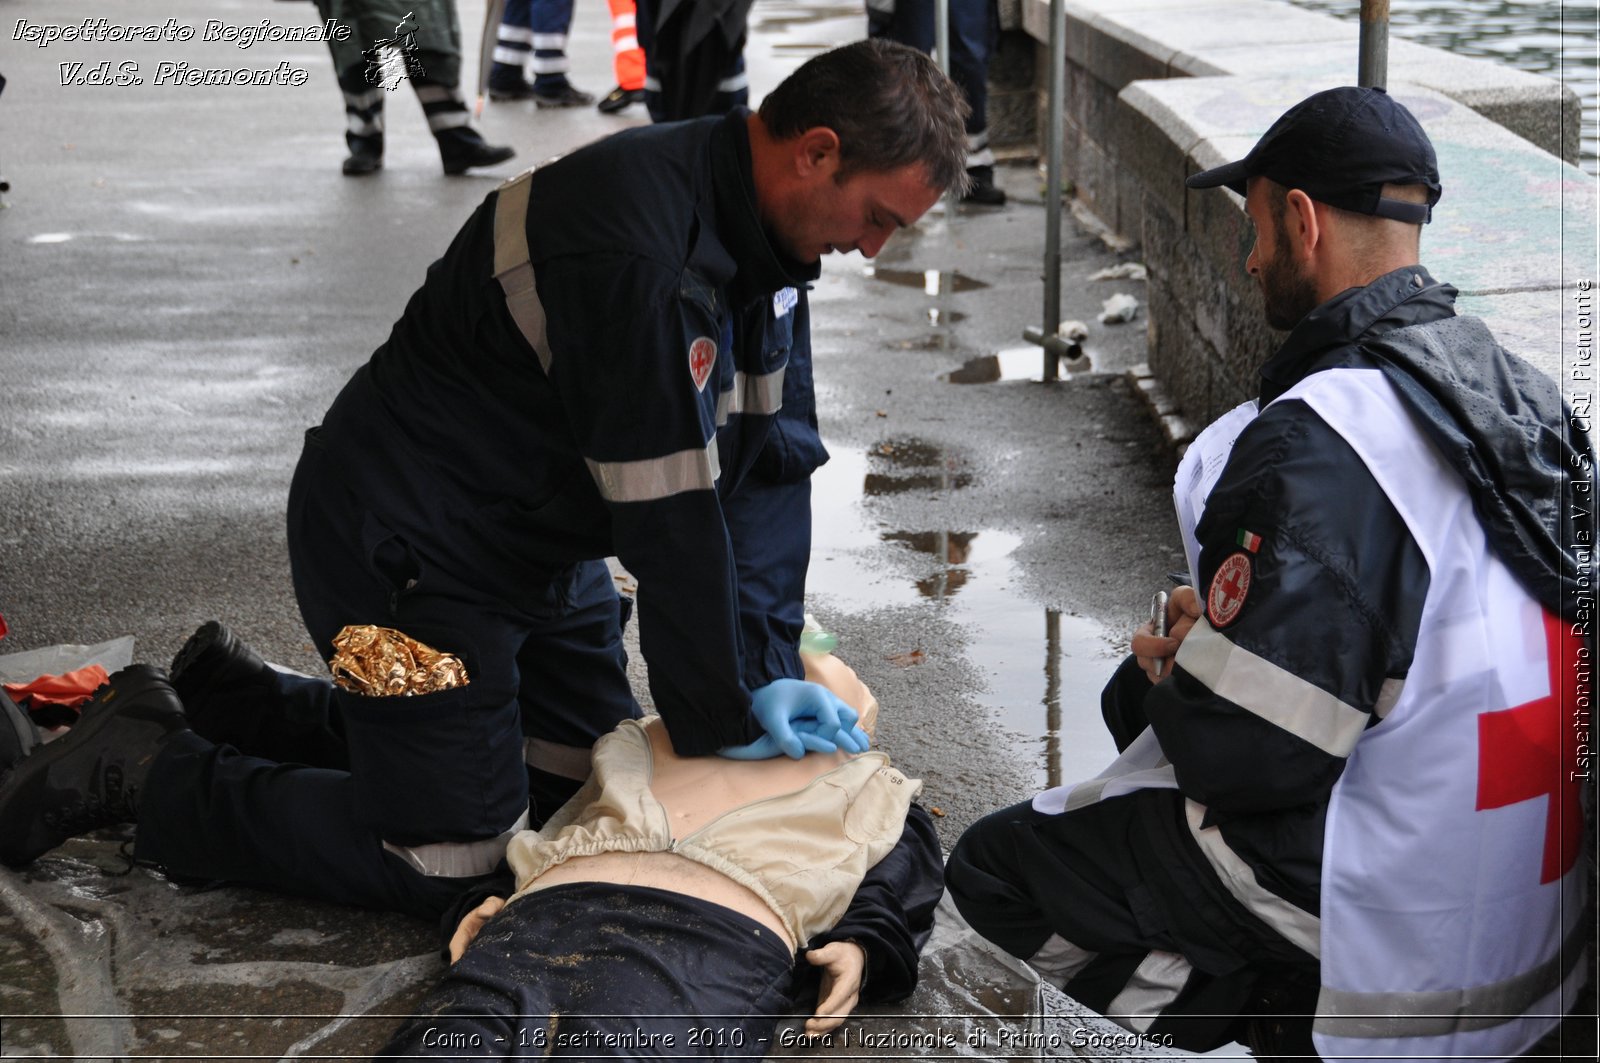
pixel 185 282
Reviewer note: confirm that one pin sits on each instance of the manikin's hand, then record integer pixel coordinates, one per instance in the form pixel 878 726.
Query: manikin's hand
pixel 1183 609
pixel 844 964
pixel 471 923
pixel 798 717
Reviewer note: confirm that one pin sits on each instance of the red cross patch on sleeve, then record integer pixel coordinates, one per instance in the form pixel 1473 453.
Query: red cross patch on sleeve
pixel 1228 589
pixel 702 356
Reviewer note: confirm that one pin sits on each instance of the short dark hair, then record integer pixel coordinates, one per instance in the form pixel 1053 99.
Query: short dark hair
pixel 890 105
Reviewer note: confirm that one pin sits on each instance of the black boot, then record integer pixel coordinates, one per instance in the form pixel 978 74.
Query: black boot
pixel 232 697
pixel 982 189
pixel 18 735
pixel 366 155
pixel 92 776
pixel 212 673
pixel 619 99
pixel 461 148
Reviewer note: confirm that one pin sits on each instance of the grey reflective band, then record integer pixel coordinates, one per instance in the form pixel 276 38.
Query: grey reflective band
pixel 1058 960
pixel 458 859
pixel 1342 1013
pixel 1276 695
pixel 513 267
pixel 1297 926
pixel 1155 984
pixel 569 762
pixel 651 479
pixel 754 393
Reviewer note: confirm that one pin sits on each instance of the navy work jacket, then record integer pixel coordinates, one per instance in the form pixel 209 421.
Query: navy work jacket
pixel 654 433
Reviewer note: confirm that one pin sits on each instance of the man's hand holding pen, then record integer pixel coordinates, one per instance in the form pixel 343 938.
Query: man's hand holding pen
pixel 1155 650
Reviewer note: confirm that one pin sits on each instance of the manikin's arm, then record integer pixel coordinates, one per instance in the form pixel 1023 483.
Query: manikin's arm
pixel 471 923
pixel 844 966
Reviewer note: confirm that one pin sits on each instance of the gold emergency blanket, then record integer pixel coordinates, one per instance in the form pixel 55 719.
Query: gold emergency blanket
pixel 381 662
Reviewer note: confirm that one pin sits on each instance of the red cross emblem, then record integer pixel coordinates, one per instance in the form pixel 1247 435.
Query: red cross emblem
pixel 1228 588
pixel 702 356
pixel 1531 751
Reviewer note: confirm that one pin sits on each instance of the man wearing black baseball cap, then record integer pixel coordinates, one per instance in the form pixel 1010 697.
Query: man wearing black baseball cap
pixel 1349 786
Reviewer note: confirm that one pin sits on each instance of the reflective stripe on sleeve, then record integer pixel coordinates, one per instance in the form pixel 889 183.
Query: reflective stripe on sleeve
pixel 458 859
pixel 755 393
pixel 1276 695
pixel 650 479
pixel 513 268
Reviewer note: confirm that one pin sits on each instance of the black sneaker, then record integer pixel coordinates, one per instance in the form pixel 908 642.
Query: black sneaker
pixel 92 776
pixel 462 148
pixel 619 99
pixel 982 190
pixel 363 159
pixel 563 95
pixel 509 91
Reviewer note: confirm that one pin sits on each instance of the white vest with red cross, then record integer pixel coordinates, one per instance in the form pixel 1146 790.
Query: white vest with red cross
pixel 1453 889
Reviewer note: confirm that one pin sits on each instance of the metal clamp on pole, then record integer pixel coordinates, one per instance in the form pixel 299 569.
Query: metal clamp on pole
pixel 1055 348
pixel 1372 69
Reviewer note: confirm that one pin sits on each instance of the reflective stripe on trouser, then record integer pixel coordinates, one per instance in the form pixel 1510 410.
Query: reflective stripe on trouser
pixel 1111 903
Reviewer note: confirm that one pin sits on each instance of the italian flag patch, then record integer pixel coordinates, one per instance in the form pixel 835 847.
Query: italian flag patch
pixel 1249 540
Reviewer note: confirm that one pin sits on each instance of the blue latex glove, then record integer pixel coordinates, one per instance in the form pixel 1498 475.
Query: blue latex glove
pixel 799 717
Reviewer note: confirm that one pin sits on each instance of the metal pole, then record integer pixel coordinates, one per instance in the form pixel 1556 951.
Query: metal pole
pixel 941 33
pixel 1373 65
pixel 1046 336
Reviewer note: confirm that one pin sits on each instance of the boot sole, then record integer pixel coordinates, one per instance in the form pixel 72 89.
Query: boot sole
pixel 33 772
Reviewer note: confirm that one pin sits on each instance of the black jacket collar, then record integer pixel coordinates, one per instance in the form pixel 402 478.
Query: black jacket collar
pixel 1406 296
pixel 763 268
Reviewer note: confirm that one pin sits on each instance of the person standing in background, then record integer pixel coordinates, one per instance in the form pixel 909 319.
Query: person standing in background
pixel 627 57
pixel 417 41
pixel 533 38
pixel 972 35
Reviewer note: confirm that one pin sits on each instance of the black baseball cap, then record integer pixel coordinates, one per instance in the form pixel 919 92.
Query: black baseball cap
pixel 1340 147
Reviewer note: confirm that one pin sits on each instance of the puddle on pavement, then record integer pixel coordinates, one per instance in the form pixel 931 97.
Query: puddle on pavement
pixel 1043 669
pixel 931 281
pixel 1013 363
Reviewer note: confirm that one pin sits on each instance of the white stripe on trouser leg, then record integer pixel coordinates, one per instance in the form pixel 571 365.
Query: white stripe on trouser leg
pixel 553 42
pixel 363 127
pixel 1058 960
pixel 510 56
pixel 438 123
pixel 517 34
pixel 550 64
pixel 361 101
pixel 439 94
pixel 624 44
pixel 625 21
pixel 459 859
pixel 1155 984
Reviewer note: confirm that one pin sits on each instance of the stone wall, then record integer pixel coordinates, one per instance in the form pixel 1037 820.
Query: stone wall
pixel 1157 89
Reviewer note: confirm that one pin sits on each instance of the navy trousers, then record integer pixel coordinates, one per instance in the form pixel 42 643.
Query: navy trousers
pixel 310 810
pixel 593 970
